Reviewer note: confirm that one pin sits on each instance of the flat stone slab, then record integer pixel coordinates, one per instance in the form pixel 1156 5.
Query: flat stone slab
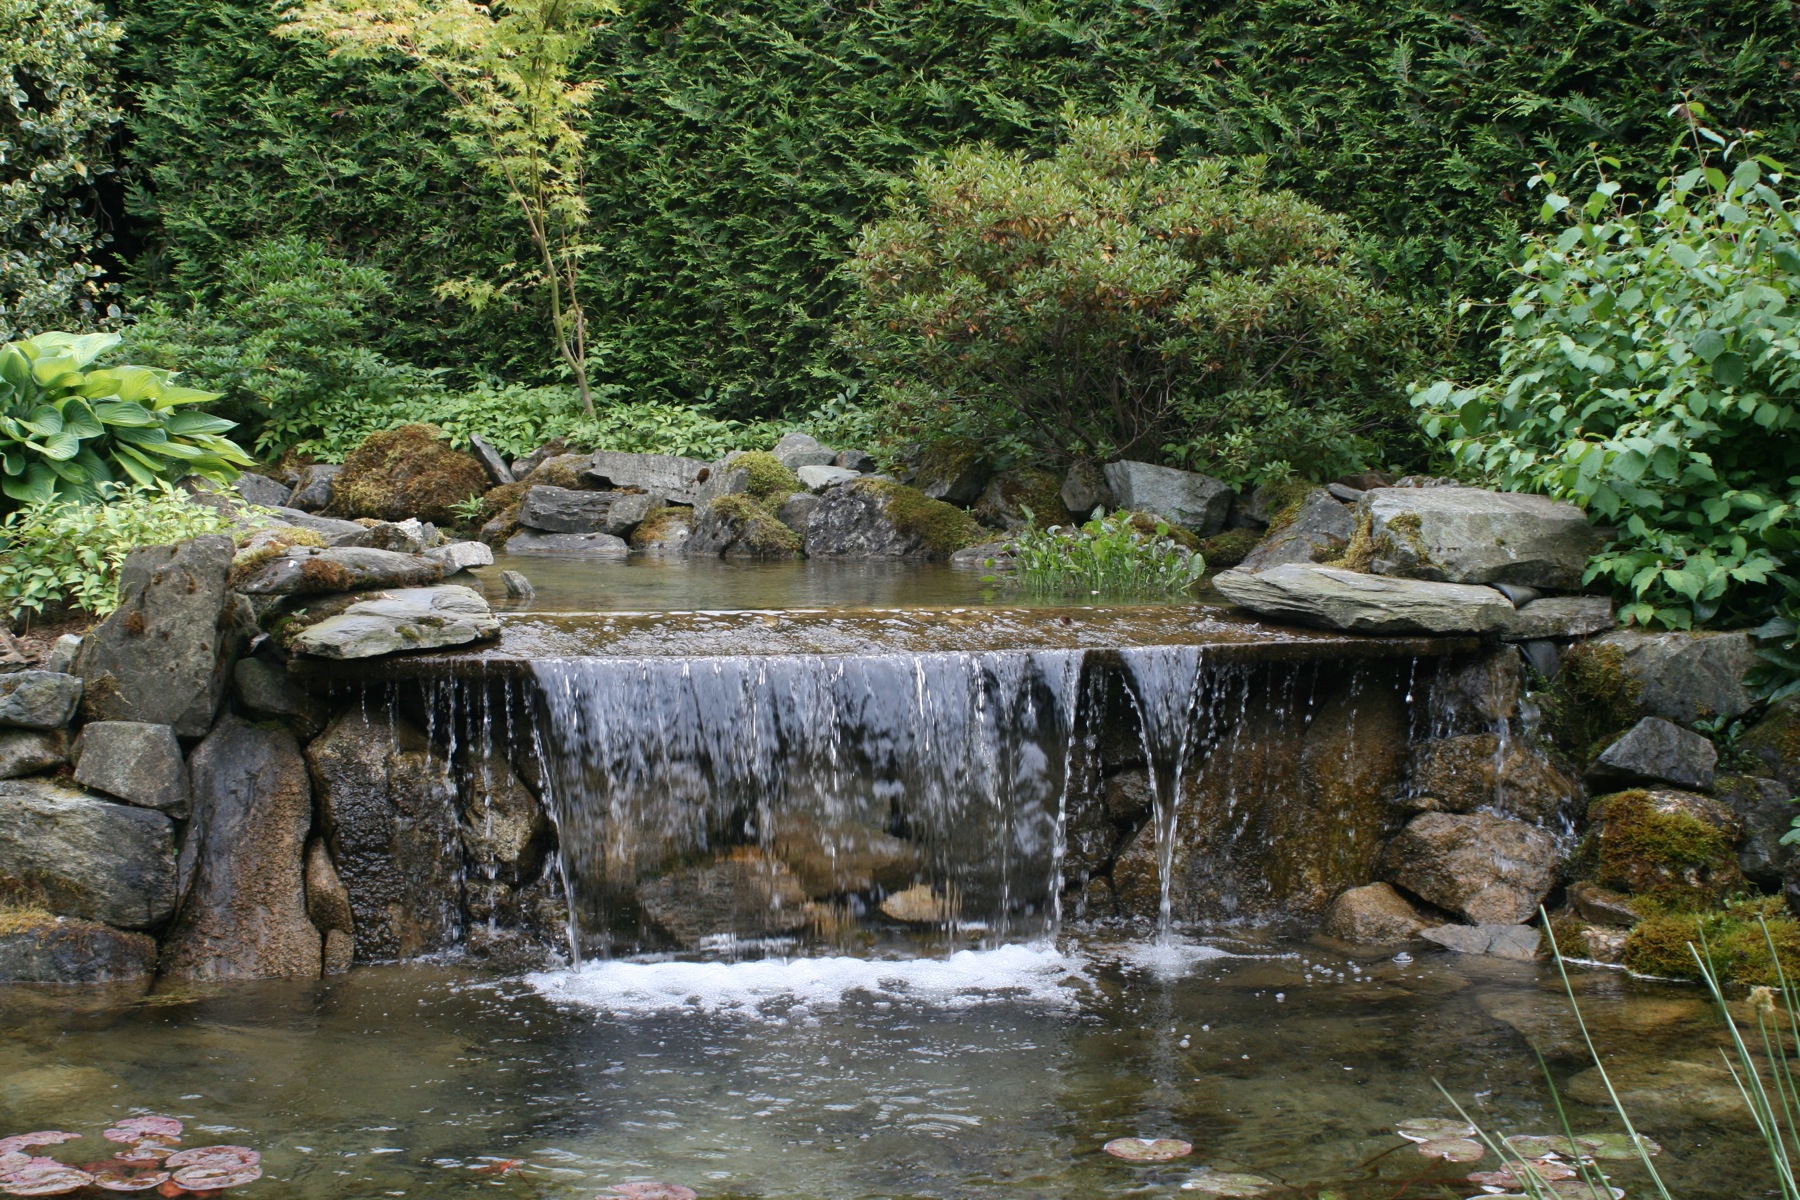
pixel 1334 598
pixel 818 477
pixel 567 545
pixel 1472 535
pixel 1556 617
pixel 1519 942
pixel 38 699
pixel 399 620
pixel 88 857
pixel 309 571
pixel 666 475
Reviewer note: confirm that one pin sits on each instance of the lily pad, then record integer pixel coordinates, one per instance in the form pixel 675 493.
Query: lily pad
pixel 20 1141
pixel 1549 1170
pixel 1538 1146
pixel 48 1179
pixel 114 1180
pixel 1432 1129
pixel 209 1179
pixel 1453 1149
pixel 653 1191
pixel 218 1157
pixel 143 1153
pixel 1135 1149
pixel 137 1129
pixel 1209 1182
pixel 12 1160
pixel 1616 1147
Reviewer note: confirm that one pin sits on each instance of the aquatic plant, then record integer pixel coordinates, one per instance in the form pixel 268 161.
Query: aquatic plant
pixel 1110 556
pixel 150 1160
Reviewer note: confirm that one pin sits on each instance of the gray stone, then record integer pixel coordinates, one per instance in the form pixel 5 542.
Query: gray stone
pixel 665 475
pixel 1519 942
pixel 1471 535
pixel 567 545
pixel 1320 530
pixel 797 450
pixel 1656 751
pixel 1374 915
pixel 1334 598
pixel 461 556
pixel 61 658
pixel 1559 617
pixel 797 510
pixel 87 857
pixel 1084 489
pixel 523 467
pixel 998 553
pixel 1602 907
pixel 310 571
pixel 492 461
pixel 261 490
pixel 855 522
pixel 818 478
pixel 1487 869
pixel 1543 657
pixel 954 472
pixel 135 761
pixel 65 950
pixel 1345 493
pixel 410 536
pixel 244 914
pixel 860 461
pixel 504 829
pixel 331 530
pixel 665 533
pixel 12 655
pixel 266 690
pixel 29 751
pixel 162 656
pixel 390 816
pixel 1766 812
pixel 1687 677
pixel 402 619
pixel 723 479
pixel 1518 593
pixel 313 491
pixel 1188 498
pixel 517 586
pixel 38 699
pixel 564 510
pixel 740 529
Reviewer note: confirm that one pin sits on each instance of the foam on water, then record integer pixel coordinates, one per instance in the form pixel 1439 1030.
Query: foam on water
pixel 772 987
pixel 1171 958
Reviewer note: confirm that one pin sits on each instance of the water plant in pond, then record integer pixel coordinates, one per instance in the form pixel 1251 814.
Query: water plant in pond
pixel 151 1161
pixel 1111 556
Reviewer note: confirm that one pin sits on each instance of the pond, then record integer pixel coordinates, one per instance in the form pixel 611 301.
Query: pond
pixel 981 1074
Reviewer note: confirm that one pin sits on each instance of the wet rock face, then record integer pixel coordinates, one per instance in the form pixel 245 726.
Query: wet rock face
pixel 1374 915
pixel 1462 774
pixel 567 545
pixel 504 829
pixel 833 857
pixel 87 857
pixel 745 894
pixel 65 950
pixel 1487 869
pixel 390 814
pixel 328 908
pixel 876 519
pixel 268 692
pixel 162 657
pixel 1471 535
pixel 244 916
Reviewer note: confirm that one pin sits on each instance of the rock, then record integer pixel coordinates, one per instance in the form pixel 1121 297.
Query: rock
pixel 162 656
pixel 87 857
pixel 875 519
pixel 665 475
pixel 402 619
pixel 1462 774
pixel 1471 535
pixel 492 461
pixel 1600 945
pixel 1137 875
pixel 831 857
pixel 390 817
pixel 328 908
pixel 744 894
pixel 135 761
pixel 665 532
pixel 261 490
pixel 818 478
pixel 1199 502
pixel 410 536
pixel 38 699
pixel 954 472
pixel 330 530
pixel 797 510
pixel 267 691
pixel 29 751
pixel 1666 844
pixel 504 828
pixel 1686 677
pixel 61 657
pixel 860 461
pixel 724 479
pixel 1656 751
pixel 1560 617
pixel 1765 812
pixel 1774 743
pixel 312 494
pixel 523 467
pixel 1010 495
pixel 1601 906
pixel 412 471
pixel 735 526
pixel 517 586
pixel 981 555
pixel 1518 942
pixel 64 950
pixel 461 556
pixel 1084 489
pixel 309 571
pixel 567 545
pixel 797 450
pixel 919 905
pixel 563 471
pixel 1474 694
pixel 1486 869
pixel 244 915
pixel 1334 598
pixel 1345 493
pixel 1374 915
pixel 1320 529
pixel 561 510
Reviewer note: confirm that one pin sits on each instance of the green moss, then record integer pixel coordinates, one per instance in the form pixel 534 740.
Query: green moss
pixel 1146 523
pixel 767 478
pixel 1671 857
pixel 758 529
pixel 1735 942
pixel 24 918
pixel 1590 702
pixel 1013 492
pixel 947 459
pixel 653 528
pixel 1359 552
pixel 411 471
pixel 1228 549
pixel 1282 501
pixel 942 529
pixel 498 500
pixel 246 561
pixel 561 470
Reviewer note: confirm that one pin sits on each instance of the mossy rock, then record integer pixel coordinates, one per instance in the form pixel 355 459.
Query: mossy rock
pixel 1734 942
pixel 1591 701
pixel 1772 746
pixel 941 529
pixel 1223 551
pixel 1675 848
pixel 1145 524
pixel 411 471
pixel 739 526
pixel 561 470
pixel 1011 494
pixel 765 476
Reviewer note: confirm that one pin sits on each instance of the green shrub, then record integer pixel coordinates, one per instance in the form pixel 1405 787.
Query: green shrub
pixel 1107 557
pixel 1650 372
pixel 70 554
pixel 67 428
pixel 1103 303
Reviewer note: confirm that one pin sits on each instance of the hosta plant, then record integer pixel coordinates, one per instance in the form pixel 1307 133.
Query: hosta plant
pixel 68 427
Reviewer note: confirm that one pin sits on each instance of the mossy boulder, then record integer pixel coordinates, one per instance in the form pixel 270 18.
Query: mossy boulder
pixel 1591 701
pixel 1224 551
pixel 1010 495
pixel 1734 942
pixel 738 526
pixel 412 471
pixel 954 470
pixel 765 477
pixel 1773 743
pixel 1676 848
pixel 561 470
pixel 877 518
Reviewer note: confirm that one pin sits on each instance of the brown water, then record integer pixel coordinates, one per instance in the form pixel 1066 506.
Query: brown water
pixel 987 1075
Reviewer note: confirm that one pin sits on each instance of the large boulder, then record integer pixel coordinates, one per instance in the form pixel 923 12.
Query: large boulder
pixel 135 761
pixel 567 545
pixel 38 699
pixel 1320 528
pixel 1333 598
pixel 562 510
pixel 1011 494
pixel 1765 812
pixel 874 518
pixel 244 915
pixel 1199 502
pixel 1471 535
pixel 311 571
pixel 1476 771
pixel 1656 751
pixel 735 526
pixel 1670 845
pixel 65 950
pixel 411 471
pixel 87 857
pixel 953 471
pixel 665 475
pixel 403 619
pixel 1084 489
pixel 162 656
pixel 390 816
pixel 1374 915
pixel 1685 677
pixel 1486 869
pixel 29 751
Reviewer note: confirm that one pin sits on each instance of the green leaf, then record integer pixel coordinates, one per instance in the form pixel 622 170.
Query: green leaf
pixel 1728 369
pixel 1708 344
